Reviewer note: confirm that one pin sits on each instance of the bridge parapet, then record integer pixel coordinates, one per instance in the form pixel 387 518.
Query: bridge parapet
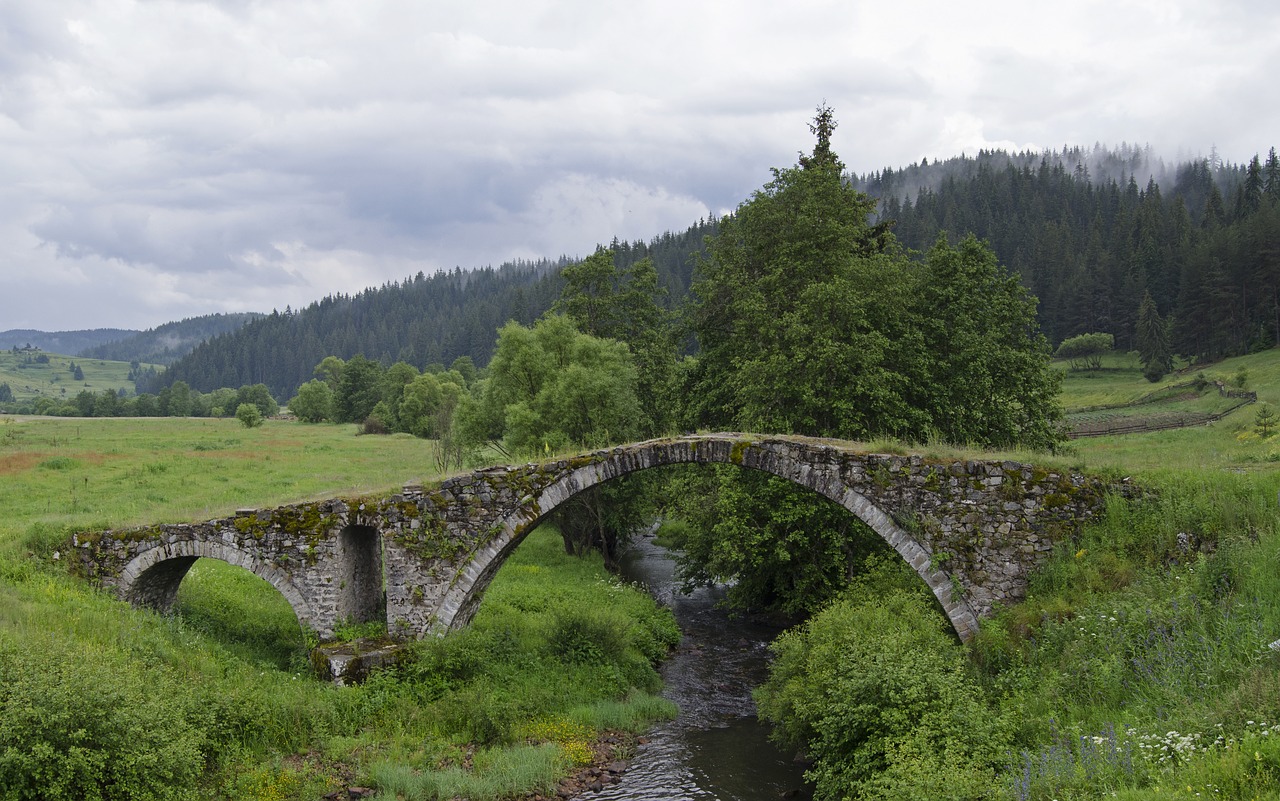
pixel 973 530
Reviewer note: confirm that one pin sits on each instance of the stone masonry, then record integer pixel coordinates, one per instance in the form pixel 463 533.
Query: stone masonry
pixel 972 530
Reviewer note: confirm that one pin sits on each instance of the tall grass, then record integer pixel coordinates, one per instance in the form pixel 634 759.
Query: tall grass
pixel 1140 662
pixel 227 676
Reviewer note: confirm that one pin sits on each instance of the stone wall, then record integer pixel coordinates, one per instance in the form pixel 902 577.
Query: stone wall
pixel 972 530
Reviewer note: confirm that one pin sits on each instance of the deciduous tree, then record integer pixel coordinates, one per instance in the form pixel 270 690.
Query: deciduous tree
pixel 248 415
pixel 313 403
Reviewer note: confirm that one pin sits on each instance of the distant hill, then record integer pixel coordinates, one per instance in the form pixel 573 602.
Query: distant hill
pixel 421 320
pixel 43 374
pixel 1090 232
pixel 167 343
pixel 68 342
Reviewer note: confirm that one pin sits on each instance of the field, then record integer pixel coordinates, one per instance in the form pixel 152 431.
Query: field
pixel 219 701
pixel 1228 444
pixel 30 379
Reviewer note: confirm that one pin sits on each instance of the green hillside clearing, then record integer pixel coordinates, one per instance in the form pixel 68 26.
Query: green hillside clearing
pixel 30 379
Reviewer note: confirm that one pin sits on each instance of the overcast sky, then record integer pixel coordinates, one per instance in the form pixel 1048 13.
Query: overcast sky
pixel 161 159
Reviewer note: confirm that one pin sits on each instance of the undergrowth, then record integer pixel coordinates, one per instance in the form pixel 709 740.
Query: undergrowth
pixel 1139 666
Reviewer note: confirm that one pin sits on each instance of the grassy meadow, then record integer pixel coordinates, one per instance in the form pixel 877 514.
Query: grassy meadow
pixel 101 700
pixel 54 379
pixel 1138 667
pixel 1230 444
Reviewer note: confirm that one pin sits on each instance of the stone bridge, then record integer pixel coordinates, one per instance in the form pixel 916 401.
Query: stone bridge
pixel 972 530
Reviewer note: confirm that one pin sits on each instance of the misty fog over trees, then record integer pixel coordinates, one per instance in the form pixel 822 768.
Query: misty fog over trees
pixel 1090 232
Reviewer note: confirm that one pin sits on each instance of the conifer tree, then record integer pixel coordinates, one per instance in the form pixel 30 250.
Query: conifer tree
pixel 1152 338
pixel 1265 419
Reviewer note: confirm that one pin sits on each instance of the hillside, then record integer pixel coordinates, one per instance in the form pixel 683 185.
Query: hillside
pixel 1232 444
pixel 421 320
pixel 50 375
pixel 1084 235
pixel 1199 238
pixel 166 343
pixel 70 342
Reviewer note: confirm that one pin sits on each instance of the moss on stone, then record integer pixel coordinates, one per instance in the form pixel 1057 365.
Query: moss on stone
pixel 1056 500
pixel 250 526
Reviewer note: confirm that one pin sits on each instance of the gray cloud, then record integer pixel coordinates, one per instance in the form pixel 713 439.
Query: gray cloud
pixel 164 158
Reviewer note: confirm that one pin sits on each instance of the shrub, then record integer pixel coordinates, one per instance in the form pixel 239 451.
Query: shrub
pixel 589 636
pixel 78 724
pixel 248 415
pixel 877 692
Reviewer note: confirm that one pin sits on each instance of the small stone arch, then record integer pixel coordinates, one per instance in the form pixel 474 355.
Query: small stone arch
pixel 463 598
pixel 152 578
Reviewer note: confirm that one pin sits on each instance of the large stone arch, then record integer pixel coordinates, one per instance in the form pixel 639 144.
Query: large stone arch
pixel 463 597
pixel 152 577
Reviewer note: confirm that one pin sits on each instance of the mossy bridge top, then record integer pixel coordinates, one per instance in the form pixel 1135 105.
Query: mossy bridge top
pixel 973 530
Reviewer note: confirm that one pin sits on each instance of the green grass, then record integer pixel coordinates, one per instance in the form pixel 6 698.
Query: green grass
pixel 1120 381
pixel 1229 444
pixel 55 379
pixel 1140 659
pixel 227 677
pixel 64 474
pixel 559 651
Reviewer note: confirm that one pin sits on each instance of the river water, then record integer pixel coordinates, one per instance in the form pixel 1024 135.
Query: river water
pixel 715 748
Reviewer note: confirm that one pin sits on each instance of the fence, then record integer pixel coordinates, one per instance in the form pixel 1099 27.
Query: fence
pixel 1245 398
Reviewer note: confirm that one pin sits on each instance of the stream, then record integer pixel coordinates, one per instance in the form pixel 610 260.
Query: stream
pixel 715 748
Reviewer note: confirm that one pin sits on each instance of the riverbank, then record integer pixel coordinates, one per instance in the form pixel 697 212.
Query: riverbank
pixel 1138 667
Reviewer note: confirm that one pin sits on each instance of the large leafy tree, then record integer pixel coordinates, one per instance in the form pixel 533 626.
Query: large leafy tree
pixel 800 294
pixel 986 377
pixel 811 320
pixel 775 546
pixel 358 390
pixel 314 402
pixel 626 305
pixel 552 387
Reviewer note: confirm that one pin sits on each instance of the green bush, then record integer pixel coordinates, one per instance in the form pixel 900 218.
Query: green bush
pixel 878 691
pixel 85 724
pixel 589 636
pixel 249 415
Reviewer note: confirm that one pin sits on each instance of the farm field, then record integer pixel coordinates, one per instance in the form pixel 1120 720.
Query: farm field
pixel 54 379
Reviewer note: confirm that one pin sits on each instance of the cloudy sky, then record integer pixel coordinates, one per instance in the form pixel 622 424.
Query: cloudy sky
pixel 161 159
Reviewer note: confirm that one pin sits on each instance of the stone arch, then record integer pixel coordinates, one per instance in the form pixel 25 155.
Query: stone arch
pixel 463 598
pixel 152 577
pixel 358 564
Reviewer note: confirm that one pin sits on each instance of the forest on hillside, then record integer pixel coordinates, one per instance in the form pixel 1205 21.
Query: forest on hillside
pixel 422 320
pixel 166 343
pixel 1206 247
pixel 1089 232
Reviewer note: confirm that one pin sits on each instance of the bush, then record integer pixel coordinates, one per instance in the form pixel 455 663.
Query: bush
pixel 248 415
pixel 589 636
pixel 878 694
pixel 81 724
